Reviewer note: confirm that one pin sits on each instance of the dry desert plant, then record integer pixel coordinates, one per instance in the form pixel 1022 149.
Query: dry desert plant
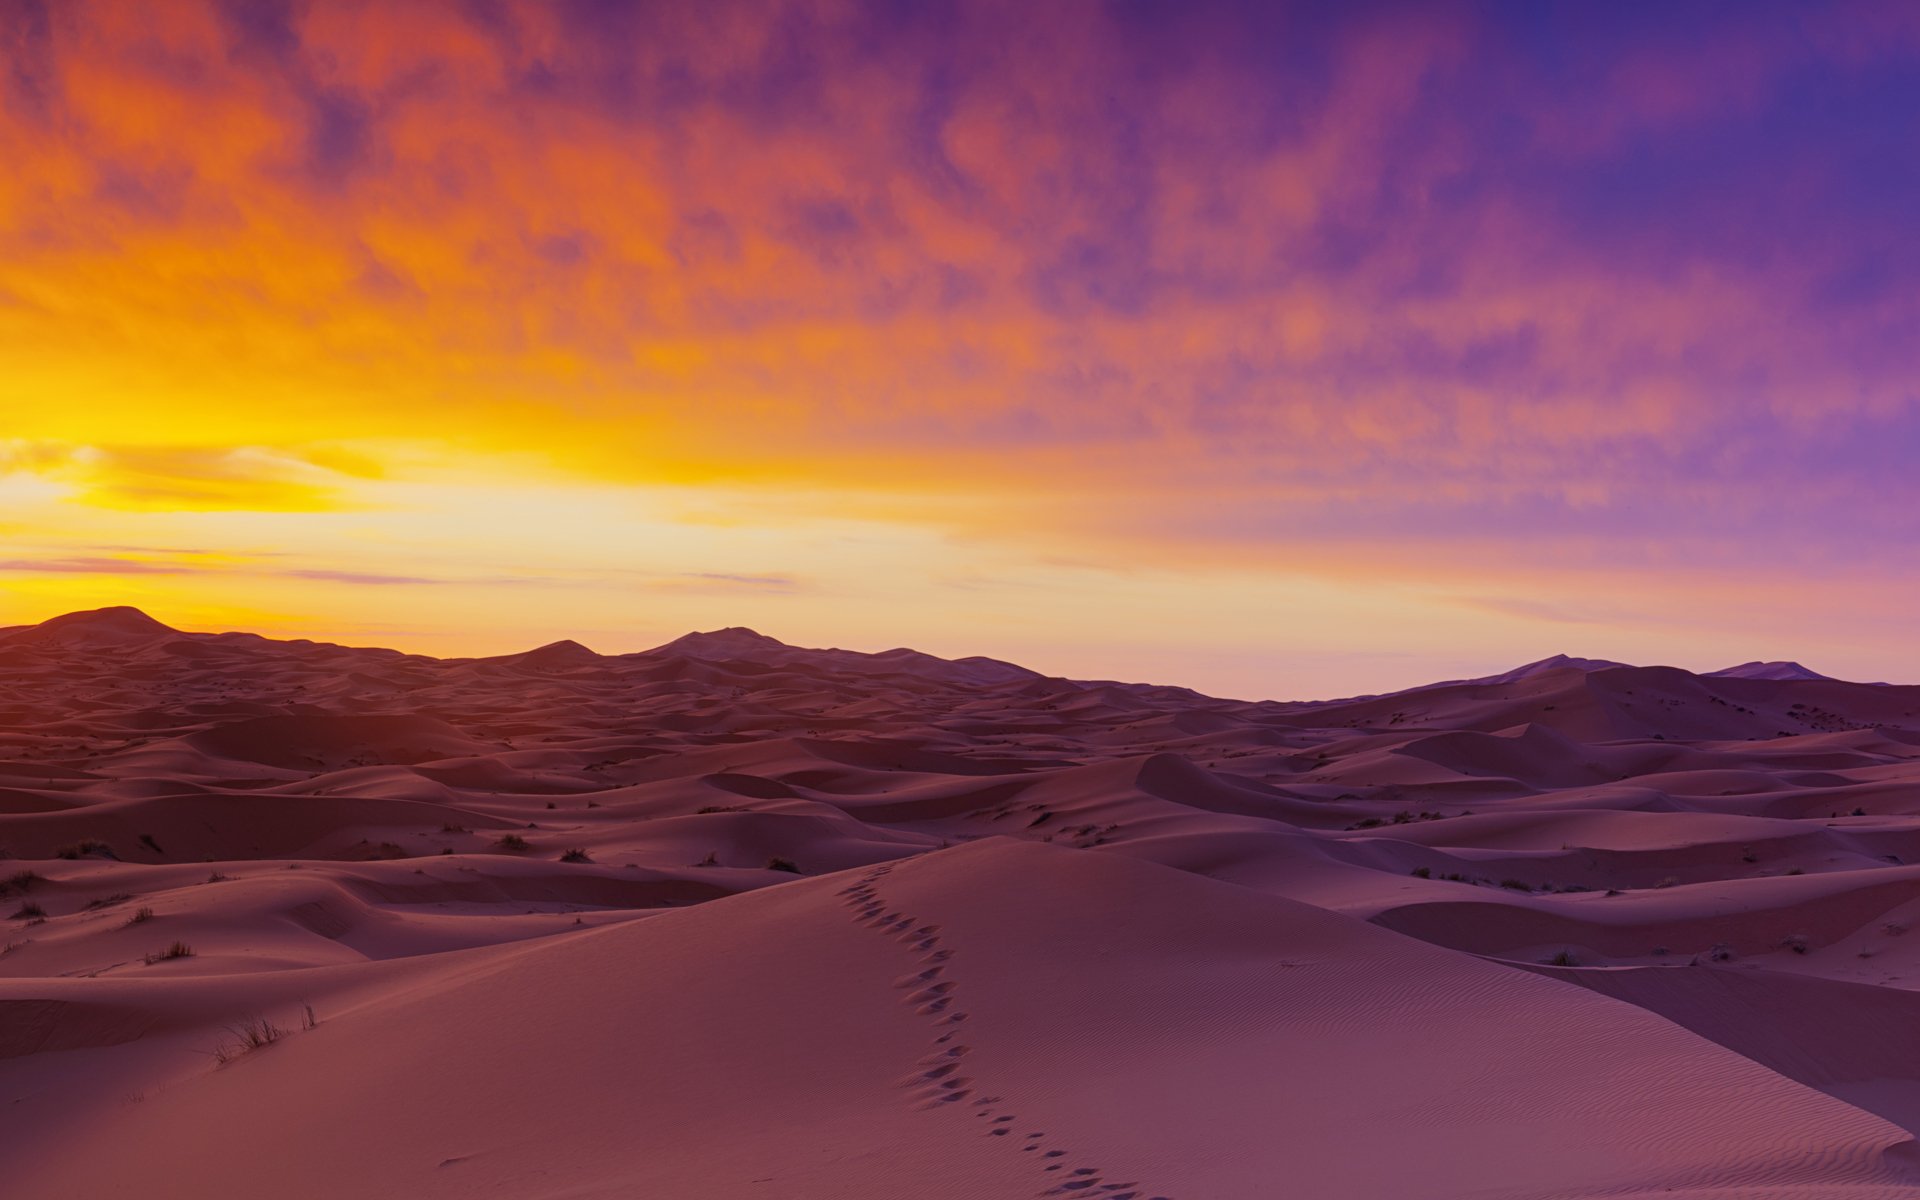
pixel 176 950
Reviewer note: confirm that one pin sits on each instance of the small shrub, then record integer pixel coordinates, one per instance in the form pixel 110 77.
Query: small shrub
pixel 1563 959
pixel 217 877
pixel 28 911
pixel 450 827
pixel 1423 872
pixel 1796 942
pixel 704 809
pixel 82 849
pixel 782 864
pixel 575 856
pixel 1669 881
pixel 248 1036
pixel 21 881
pixel 140 916
pixel 1516 885
pixel 512 841
pixel 109 901
pixel 307 1019
pixel 146 839
pixel 1795 871
pixel 711 860
pixel 177 950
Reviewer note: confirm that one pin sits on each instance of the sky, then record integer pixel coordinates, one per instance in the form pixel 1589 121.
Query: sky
pixel 1277 350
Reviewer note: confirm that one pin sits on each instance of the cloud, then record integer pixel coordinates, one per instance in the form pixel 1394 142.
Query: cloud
pixel 717 581
pixel 369 578
pixel 1530 610
pixel 193 478
pixel 92 566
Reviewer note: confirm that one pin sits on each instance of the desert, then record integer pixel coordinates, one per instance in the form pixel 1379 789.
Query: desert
pixel 732 918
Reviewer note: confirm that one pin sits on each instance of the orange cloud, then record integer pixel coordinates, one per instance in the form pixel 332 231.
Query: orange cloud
pixel 176 478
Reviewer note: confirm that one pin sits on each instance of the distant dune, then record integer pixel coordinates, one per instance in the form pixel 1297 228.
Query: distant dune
pixel 734 919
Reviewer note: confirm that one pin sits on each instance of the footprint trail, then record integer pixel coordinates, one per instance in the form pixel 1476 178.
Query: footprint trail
pixel 940 1080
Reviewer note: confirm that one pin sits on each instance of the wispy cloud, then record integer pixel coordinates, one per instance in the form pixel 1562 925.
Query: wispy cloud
pixel 192 478
pixel 717 581
pixel 92 566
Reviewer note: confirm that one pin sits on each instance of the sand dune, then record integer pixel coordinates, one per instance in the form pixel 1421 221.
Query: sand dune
pixel 731 918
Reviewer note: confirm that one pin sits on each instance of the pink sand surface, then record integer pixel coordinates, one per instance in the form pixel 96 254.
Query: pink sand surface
pixel 778 922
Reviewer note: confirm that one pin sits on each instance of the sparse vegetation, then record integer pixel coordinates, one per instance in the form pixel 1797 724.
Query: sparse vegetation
pixel 513 842
pixel 28 911
pixel 1564 958
pixel 109 901
pixel 1516 885
pixel 711 860
pixel 140 916
pixel 704 809
pixel 176 950
pixel 575 856
pixel 21 881
pixel 450 827
pixel 217 877
pixel 782 864
pixel 82 849
pixel 248 1036
pixel 1422 872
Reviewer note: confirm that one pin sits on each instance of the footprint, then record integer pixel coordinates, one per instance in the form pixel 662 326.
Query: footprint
pixel 939 1082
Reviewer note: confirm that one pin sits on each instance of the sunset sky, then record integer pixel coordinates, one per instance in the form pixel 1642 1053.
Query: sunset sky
pixel 1276 350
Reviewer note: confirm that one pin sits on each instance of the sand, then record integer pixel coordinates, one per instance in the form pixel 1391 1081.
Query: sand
pixel 732 919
